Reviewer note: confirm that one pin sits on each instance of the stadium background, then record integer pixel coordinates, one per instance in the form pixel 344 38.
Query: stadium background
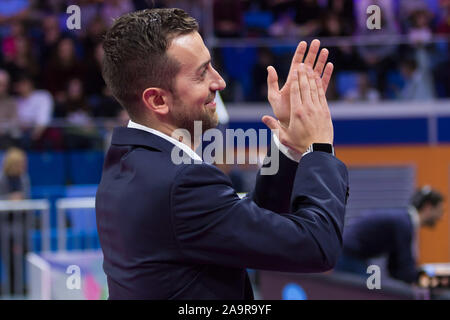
pixel 389 98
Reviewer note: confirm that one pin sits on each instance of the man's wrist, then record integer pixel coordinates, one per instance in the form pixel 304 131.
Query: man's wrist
pixel 323 147
pixel 288 152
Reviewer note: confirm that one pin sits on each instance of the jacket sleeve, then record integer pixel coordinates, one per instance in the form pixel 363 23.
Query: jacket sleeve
pixel 273 192
pixel 213 226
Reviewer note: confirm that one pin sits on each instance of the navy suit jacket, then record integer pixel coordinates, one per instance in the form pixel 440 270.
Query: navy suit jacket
pixel 387 232
pixel 181 232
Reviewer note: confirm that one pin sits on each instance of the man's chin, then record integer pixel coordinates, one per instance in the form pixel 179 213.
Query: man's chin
pixel 212 122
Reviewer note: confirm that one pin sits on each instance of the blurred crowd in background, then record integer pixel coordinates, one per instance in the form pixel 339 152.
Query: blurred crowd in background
pixel 50 73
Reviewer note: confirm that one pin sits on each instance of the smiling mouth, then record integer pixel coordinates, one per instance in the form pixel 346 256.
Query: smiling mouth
pixel 212 97
pixel 211 104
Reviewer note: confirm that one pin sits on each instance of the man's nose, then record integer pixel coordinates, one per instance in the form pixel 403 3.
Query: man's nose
pixel 218 83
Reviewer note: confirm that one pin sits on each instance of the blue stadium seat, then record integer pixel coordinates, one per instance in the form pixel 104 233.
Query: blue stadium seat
pixel 46 168
pixel 395 82
pixel 48 192
pixel 51 193
pixel 83 231
pixel 85 167
pixel 258 19
pixel 346 81
pixel 239 63
pixel 36 240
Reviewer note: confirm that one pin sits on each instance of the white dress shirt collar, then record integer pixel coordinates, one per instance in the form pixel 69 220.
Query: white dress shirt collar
pixel 177 143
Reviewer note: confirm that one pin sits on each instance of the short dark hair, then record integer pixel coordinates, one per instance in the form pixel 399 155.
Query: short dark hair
pixel 135 53
pixel 426 195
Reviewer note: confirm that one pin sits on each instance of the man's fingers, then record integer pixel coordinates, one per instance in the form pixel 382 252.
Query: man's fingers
pixel 298 55
pixel 321 92
pixel 272 81
pixel 321 61
pixel 297 59
pixel 312 53
pixel 327 75
pixel 295 97
pixel 313 87
pixel 304 85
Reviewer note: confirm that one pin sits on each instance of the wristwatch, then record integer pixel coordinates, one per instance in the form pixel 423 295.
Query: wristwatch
pixel 324 147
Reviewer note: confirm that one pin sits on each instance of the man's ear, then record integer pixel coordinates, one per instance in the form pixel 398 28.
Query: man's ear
pixel 156 100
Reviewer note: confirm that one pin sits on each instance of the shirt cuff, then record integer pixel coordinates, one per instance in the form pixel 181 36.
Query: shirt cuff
pixel 291 154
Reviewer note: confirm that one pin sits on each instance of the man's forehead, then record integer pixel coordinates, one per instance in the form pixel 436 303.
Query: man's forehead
pixel 189 50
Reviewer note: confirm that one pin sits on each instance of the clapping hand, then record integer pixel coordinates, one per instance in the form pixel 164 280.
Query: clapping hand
pixel 280 99
pixel 309 115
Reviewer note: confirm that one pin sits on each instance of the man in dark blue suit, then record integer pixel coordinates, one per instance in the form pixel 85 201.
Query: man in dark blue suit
pixel 180 231
pixel 391 233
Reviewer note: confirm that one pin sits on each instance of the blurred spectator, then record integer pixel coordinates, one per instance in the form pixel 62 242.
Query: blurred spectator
pixel 81 132
pixel 364 90
pixel 420 30
pixel 8 113
pixel 14 186
pixel 398 242
pixel 331 26
pixel 417 81
pixel 9 47
pixel 94 83
pixel 51 35
pixel 344 10
pixel 228 18
pixel 94 35
pixel 343 56
pixel 406 9
pixel 99 96
pixel 14 179
pixel 443 26
pixel 284 26
pixel 90 10
pixel 307 17
pixel 74 104
pixel 107 106
pixel 11 11
pixel 50 6
pixel 61 68
pixel 22 60
pixel 379 59
pixel 34 111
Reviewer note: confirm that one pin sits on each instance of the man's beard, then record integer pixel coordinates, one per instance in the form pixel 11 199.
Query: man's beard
pixel 183 117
